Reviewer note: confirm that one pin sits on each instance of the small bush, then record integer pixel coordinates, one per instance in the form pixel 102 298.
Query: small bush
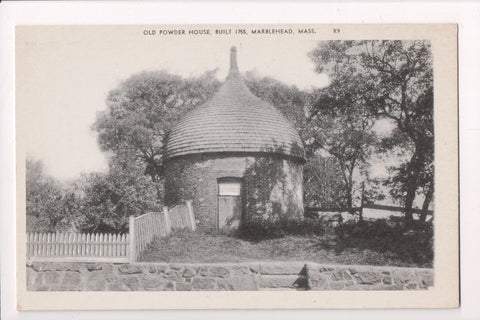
pixel 263 229
pixel 414 244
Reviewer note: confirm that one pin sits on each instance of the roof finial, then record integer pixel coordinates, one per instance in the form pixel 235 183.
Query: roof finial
pixel 233 59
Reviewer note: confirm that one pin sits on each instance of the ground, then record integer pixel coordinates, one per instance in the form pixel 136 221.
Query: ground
pixel 203 248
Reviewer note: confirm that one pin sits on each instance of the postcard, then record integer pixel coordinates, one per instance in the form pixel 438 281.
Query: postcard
pixel 236 166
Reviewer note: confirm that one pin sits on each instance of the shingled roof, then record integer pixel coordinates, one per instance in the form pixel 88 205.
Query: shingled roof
pixel 234 120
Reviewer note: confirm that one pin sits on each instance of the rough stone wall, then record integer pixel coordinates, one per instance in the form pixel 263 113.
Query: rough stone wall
pixel 331 277
pixel 48 276
pixel 195 177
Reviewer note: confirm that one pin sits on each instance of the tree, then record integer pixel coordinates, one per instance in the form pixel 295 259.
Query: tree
pixel 290 100
pixel 420 168
pixel 96 202
pixel 396 78
pixel 339 120
pixel 322 186
pixel 109 199
pixel 133 129
pixel 348 138
pixel 50 207
pixel 141 111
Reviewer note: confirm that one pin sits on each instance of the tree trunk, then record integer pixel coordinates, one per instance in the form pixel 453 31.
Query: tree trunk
pixel 412 185
pixel 362 202
pixel 350 200
pixel 426 203
pixel 350 194
pixel 409 204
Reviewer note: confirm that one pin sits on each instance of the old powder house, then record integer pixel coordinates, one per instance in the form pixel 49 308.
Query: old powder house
pixel 237 157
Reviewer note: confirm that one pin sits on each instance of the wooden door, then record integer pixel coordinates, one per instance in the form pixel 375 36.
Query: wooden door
pixel 229 203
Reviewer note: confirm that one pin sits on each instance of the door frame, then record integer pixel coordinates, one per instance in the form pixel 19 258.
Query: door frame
pixel 226 179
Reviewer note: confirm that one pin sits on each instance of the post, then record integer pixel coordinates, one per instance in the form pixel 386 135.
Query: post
pixel 190 213
pixel 132 254
pixel 168 226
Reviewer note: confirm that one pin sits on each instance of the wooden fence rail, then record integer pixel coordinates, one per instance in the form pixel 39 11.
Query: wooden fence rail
pixel 144 228
pixel 394 208
pixel 311 211
pixel 181 217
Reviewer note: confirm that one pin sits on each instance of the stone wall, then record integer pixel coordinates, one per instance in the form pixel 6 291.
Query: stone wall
pixel 195 177
pixel 50 276
pixel 331 277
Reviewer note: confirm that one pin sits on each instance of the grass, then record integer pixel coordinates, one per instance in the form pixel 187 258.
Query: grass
pixel 188 247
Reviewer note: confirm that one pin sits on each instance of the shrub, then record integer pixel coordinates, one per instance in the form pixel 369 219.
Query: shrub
pixel 414 244
pixel 261 229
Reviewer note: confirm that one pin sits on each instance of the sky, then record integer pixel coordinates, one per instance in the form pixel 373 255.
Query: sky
pixel 64 75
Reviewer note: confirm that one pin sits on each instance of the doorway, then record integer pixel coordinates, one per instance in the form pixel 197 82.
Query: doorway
pixel 229 203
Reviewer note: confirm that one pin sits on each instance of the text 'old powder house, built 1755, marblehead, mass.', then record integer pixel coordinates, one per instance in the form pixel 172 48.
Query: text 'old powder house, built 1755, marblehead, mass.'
pixel 237 157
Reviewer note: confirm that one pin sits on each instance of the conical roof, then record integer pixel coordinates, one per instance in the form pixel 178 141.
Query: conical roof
pixel 234 121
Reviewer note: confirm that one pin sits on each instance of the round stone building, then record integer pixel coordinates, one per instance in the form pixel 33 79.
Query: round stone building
pixel 237 157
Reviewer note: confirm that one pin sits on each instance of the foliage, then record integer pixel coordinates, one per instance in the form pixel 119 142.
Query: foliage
pixel 133 129
pixel 109 199
pixel 141 111
pixel 259 180
pixel 323 185
pixel 267 229
pixel 93 203
pixel 339 120
pixel 412 244
pixel 419 170
pixel 49 205
pixel 288 99
pixel 396 81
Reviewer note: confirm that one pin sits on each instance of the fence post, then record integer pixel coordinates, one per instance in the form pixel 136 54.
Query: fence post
pixel 131 229
pixel 168 226
pixel 190 213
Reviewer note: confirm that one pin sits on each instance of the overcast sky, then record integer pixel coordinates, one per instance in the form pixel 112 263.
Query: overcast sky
pixel 65 75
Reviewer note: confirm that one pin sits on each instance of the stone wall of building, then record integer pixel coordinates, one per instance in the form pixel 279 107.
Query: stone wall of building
pixel 50 276
pixel 273 190
pixel 271 185
pixel 195 177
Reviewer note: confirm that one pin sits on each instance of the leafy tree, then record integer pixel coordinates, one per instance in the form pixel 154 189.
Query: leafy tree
pixel 50 207
pixel 323 185
pixel 339 121
pixel 421 153
pixel 397 83
pixel 109 199
pixel 290 100
pixel 133 129
pixel 141 111
pixel 348 140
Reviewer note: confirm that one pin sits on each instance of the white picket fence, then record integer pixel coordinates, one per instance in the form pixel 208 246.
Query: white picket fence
pixel 78 247
pixel 71 247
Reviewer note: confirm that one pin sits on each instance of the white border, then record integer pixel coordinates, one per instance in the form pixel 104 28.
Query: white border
pixel 466 14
